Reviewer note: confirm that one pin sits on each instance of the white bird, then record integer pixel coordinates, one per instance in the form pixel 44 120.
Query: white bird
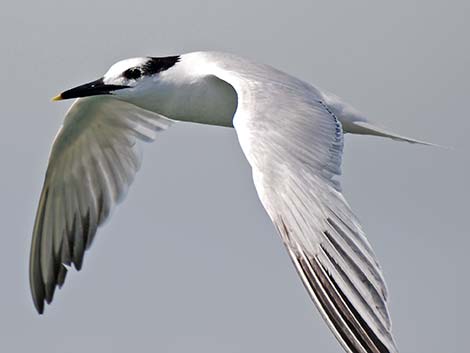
pixel 292 135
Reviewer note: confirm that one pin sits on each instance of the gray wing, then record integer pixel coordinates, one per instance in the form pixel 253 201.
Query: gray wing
pixel 294 143
pixel 93 161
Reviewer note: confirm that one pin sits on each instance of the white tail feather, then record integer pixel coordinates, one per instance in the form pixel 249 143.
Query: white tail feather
pixel 365 128
pixel 354 122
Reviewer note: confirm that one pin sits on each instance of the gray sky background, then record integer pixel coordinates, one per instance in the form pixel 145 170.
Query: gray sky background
pixel 190 262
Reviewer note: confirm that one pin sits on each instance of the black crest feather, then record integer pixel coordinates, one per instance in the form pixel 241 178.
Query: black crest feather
pixel 155 65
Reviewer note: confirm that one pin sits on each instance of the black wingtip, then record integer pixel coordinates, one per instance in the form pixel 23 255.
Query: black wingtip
pixel 39 305
pixel 61 276
pixel 50 289
pixel 78 263
pixel 47 295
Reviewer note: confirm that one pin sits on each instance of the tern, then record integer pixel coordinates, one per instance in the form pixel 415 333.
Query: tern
pixel 292 135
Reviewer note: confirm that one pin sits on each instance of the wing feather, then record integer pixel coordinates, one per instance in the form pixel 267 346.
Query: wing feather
pixel 293 141
pixel 93 161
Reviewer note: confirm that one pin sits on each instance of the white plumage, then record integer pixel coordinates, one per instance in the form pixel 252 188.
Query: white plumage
pixel 292 136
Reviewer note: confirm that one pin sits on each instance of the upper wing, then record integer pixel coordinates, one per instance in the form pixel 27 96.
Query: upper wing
pixel 92 163
pixel 294 142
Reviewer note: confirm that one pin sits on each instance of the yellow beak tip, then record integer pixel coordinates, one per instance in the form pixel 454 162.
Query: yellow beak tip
pixel 57 98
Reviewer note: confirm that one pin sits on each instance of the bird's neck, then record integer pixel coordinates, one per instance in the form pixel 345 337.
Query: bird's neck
pixel 203 99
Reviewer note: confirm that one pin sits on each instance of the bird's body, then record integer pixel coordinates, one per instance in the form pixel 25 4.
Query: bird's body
pixel 292 136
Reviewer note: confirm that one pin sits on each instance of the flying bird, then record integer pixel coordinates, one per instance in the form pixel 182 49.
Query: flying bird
pixel 292 135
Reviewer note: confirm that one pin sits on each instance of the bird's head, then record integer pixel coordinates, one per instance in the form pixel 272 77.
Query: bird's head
pixel 124 79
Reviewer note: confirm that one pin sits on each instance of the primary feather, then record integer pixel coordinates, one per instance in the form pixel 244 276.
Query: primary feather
pixel 294 140
pixel 93 161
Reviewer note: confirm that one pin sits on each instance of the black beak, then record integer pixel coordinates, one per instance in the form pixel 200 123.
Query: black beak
pixel 93 88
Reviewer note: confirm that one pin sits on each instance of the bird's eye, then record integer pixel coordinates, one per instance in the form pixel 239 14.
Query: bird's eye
pixel 132 74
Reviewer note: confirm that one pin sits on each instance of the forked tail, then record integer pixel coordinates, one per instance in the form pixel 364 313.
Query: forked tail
pixel 366 128
pixel 354 122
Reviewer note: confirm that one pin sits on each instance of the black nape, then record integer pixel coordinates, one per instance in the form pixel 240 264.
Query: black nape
pixel 156 65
